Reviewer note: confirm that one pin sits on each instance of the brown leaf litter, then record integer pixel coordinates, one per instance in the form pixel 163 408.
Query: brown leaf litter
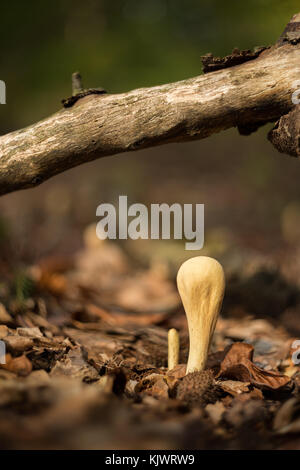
pixel 238 365
pixel 86 365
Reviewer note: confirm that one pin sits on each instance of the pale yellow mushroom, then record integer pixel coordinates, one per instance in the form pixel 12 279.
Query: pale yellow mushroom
pixel 173 348
pixel 201 285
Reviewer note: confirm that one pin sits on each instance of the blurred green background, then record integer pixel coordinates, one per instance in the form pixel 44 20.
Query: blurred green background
pixel 251 193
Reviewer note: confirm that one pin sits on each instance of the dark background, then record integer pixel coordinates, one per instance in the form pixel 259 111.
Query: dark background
pixel 250 191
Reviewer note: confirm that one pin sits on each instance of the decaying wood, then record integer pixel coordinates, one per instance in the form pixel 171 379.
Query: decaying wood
pixel 211 63
pixel 244 96
pixel 285 135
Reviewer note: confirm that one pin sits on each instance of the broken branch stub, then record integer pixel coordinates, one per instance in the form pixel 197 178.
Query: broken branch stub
pixel 285 135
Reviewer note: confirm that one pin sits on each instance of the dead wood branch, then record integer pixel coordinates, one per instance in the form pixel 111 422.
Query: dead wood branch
pixel 244 96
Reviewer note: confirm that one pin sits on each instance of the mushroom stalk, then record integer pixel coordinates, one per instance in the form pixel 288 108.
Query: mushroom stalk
pixel 173 348
pixel 201 284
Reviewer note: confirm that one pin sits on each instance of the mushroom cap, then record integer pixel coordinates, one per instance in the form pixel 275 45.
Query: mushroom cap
pixel 201 276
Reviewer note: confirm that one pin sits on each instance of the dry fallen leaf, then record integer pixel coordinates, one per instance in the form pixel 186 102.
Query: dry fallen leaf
pixel 74 365
pixel 18 365
pixel 238 365
pixel 18 344
pixel 177 372
pixel 287 419
pixel 34 332
pixel 215 411
pixel 124 318
pixel 3 331
pixel 4 315
pixel 160 389
pixel 148 381
pixel 234 387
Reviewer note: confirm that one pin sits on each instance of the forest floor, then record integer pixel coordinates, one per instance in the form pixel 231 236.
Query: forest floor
pixel 86 357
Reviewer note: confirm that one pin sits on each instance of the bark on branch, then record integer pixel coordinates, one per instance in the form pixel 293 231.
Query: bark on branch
pixel 246 96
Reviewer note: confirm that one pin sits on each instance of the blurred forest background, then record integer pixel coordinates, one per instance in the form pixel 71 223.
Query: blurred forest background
pixel 251 192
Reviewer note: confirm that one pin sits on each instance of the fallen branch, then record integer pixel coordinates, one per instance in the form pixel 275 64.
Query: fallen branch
pixel 244 96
